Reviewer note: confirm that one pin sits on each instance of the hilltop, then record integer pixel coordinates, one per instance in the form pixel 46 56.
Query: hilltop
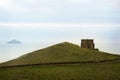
pixel 62 52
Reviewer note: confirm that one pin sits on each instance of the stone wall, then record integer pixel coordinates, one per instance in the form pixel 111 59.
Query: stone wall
pixel 88 43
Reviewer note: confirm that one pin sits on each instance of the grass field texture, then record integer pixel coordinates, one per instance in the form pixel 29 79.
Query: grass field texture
pixel 88 71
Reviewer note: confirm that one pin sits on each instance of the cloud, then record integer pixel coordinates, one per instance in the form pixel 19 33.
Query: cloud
pixel 8 4
pixel 55 3
pixel 5 4
pixel 86 2
pixel 95 2
pixel 60 25
pixel 60 11
pixel 23 5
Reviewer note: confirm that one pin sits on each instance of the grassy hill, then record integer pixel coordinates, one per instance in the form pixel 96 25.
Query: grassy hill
pixel 89 71
pixel 62 52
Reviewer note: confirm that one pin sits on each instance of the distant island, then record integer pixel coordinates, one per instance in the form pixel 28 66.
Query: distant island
pixel 14 41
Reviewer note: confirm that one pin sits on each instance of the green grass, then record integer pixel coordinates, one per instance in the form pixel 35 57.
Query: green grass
pixel 88 71
pixel 62 52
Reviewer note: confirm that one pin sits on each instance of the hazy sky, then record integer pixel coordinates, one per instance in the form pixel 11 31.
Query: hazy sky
pixel 52 21
pixel 103 11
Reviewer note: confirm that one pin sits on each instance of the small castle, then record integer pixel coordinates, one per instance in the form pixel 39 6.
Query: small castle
pixel 88 43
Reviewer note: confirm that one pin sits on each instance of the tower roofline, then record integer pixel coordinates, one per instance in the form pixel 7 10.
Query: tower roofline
pixel 87 39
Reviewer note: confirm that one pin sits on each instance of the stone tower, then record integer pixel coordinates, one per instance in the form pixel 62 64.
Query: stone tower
pixel 88 43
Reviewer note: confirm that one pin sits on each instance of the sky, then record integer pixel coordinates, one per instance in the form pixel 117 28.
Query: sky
pixel 75 11
pixel 47 22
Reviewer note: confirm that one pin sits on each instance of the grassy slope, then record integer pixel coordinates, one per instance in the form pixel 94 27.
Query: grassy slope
pixel 101 71
pixel 63 52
